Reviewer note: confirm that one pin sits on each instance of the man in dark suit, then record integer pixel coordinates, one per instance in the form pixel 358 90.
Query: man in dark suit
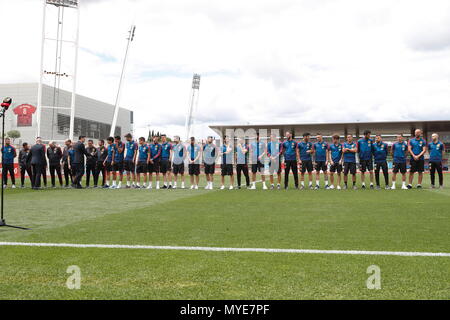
pixel 78 161
pixel 54 155
pixel 38 162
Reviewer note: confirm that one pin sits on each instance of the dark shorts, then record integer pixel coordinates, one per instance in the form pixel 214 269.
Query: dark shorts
pixel 307 165
pixel 165 166
pixel 416 165
pixel 154 167
pixel 365 165
pixel 178 168
pixel 336 167
pixel 321 165
pixel 141 167
pixel 194 169
pixel 399 167
pixel 118 166
pixel 108 167
pixel 210 168
pixel 349 167
pixel 381 166
pixel 257 167
pixel 129 166
pixel 226 169
pixel 274 167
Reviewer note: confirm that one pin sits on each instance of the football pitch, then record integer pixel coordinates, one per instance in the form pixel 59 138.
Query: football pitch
pixel 189 225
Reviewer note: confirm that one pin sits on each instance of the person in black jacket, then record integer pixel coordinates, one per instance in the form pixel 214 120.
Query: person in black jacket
pixel 36 156
pixel 78 161
pixel 91 162
pixel 65 162
pixel 102 153
pixel 54 155
pixel 25 165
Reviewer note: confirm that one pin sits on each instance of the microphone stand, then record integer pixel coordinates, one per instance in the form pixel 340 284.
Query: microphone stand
pixel 2 220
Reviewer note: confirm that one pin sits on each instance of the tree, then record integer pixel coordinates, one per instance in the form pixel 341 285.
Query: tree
pixel 13 134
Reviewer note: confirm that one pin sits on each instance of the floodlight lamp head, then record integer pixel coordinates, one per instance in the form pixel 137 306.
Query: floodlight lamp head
pixel 6 103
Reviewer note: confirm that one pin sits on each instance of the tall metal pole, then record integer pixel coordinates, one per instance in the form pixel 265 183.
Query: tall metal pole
pixel 41 78
pixel 119 90
pixel 74 81
pixel 193 102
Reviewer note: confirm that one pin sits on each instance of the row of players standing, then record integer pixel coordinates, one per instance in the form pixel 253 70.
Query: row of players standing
pixel 136 159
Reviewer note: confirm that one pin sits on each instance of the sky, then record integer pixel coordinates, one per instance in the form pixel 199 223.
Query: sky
pixel 261 61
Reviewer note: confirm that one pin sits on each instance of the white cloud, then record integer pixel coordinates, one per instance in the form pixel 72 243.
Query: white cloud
pixel 261 61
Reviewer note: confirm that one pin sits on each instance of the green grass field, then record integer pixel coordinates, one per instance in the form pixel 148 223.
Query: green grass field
pixel 379 220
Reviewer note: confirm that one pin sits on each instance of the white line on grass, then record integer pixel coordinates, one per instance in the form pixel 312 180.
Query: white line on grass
pixel 313 251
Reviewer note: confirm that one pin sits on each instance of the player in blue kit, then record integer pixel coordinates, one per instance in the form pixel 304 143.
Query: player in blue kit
pixel 335 160
pixel 154 162
pixel 242 163
pixel 290 159
pixel 209 158
pixel 304 153
pixel 107 163
pixel 399 150
pixel 194 154
pixel 8 155
pixel 117 164
pixel 178 154
pixel 142 162
pixel 131 148
pixel 166 166
pixel 257 153
pixel 349 151
pixel 226 152
pixel 320 149
pixel 380 152
pixel 436 149
pixel 274 151
pixel 416 148
pixel 365 153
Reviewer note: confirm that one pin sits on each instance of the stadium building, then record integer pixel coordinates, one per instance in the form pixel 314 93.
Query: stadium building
pixel 93 118
pixel 387 129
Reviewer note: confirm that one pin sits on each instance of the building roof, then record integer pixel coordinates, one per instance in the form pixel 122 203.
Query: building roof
pixel 328 129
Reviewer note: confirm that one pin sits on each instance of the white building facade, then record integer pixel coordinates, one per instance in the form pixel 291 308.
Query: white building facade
pixel 93 118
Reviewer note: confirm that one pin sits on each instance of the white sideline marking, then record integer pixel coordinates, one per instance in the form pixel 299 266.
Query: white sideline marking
pixel 314 251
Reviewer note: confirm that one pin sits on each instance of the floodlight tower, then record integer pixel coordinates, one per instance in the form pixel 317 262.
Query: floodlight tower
pixel 122 75
pixel 63 38
pixel 193 104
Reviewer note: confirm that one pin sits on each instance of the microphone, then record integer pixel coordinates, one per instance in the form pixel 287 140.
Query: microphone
pixel 6 103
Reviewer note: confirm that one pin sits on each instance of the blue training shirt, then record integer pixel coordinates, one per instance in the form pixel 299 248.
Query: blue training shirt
pixel 417 146
pixel 399 151
pixel 365 149
pixel 241 157
pixel 350 157
pixel 119 155
pixel 155 151
pixel 165 152
pixel 110 148
pixel 130 147
pixel 193 150
pixel 274 149
pixel 435 150
pixel 320 149
pixel 258 149
pixel 290 150
pixel 144 149
pixel 303 148
pixel 336 152
pixel 8 154
pixel 380 151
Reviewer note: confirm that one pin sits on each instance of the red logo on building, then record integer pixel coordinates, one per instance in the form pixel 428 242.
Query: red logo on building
pixel 24 115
